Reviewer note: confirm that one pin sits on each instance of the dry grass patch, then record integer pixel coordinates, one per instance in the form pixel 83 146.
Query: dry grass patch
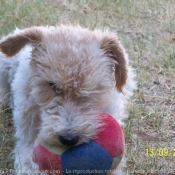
pixel 147 30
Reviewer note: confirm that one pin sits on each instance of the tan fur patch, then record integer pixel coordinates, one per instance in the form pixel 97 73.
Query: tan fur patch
pixel 14 43
pixel 115 51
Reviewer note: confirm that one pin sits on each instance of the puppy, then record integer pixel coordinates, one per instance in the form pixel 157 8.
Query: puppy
pixel 57 80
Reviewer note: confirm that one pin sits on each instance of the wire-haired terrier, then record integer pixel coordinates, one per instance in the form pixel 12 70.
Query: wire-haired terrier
pixel 59 80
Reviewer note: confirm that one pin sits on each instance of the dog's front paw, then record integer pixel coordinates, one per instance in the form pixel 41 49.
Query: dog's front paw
pixel 31 167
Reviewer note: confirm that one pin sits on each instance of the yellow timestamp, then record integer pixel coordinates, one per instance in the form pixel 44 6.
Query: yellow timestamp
pixel 161 152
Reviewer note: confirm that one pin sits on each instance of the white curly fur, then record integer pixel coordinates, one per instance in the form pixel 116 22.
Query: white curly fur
pixel 84 73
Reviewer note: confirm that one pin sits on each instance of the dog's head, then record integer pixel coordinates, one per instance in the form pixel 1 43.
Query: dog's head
pixel 73 74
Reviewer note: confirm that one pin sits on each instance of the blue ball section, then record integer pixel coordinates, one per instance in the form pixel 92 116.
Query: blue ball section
pixel 89 159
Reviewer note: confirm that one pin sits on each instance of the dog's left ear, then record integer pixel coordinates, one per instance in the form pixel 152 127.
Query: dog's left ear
pixel 13 43
pixel 114 50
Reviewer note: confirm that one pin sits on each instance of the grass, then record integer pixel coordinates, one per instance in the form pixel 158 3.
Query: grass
pixel 147 31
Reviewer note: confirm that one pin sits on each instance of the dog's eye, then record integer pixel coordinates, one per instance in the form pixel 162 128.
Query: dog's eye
pixel 51 84
pixel 55 87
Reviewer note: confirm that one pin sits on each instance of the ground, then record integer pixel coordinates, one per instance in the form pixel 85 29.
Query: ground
pixel 147 31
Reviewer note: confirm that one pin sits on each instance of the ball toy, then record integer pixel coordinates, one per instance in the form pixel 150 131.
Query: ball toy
pixel 99 156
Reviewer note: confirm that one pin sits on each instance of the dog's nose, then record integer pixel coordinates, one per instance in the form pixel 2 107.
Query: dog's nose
pixel 69 140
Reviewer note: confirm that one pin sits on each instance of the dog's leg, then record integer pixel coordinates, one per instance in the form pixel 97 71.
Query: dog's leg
pixel 26 118
pixel 25 113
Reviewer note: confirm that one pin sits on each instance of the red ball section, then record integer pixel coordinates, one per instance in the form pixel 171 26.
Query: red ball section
pixel 48 162
pixel 111 138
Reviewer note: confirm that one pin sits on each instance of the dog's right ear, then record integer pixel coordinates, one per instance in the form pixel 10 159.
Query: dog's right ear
pixel 13 43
